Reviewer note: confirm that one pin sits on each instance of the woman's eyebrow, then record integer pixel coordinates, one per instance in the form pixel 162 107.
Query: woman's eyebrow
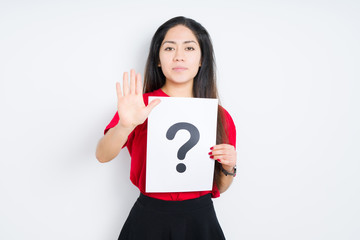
pixel 173 42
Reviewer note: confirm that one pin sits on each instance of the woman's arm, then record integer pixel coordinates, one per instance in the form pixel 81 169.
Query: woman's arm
pixel 110 145
pixel 132 112
pixel 224 181
pixel 226 155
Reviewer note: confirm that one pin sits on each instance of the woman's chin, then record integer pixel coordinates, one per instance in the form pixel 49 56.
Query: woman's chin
pixel 179 80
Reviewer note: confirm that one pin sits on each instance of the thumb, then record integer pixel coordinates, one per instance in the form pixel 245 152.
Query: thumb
pixel 151 105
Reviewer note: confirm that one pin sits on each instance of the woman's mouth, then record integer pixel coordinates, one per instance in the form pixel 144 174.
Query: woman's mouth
pixel 179 69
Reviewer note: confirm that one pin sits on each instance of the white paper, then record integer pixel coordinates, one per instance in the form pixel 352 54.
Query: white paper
pixel 162 161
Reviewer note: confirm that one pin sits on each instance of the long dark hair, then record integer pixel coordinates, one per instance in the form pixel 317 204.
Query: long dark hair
pixel 204 85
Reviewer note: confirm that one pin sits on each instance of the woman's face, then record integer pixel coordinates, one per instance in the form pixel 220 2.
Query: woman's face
pixel 180 55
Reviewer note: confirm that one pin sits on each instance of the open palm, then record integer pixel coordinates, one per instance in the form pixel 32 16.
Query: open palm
pixel 131 107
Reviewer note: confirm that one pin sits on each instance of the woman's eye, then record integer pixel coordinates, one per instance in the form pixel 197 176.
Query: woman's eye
pixel 190 48
pixel 169 48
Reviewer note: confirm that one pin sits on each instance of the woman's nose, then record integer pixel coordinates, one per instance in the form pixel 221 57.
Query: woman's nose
pixel 179 56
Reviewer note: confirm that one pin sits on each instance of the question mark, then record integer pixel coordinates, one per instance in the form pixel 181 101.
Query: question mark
pixel 194 139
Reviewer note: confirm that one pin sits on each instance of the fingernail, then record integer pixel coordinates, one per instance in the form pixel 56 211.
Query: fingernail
pixel 211 148
pixel 218 160
pixel 212 157
pixel 210 153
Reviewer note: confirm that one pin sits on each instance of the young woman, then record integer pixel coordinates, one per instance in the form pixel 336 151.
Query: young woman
pixel 180 64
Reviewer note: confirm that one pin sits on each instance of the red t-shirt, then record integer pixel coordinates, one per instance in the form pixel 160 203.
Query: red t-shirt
pixel 136 144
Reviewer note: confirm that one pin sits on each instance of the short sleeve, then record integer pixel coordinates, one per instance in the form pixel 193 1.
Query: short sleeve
pixel 230 128
pixel 114 121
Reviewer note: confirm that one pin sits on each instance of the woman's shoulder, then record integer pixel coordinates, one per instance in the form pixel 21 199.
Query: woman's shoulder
pixel 225 113
pixel 227 118
pixel 156 93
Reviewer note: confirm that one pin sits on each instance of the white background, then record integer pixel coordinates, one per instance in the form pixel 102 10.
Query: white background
pixel 287 72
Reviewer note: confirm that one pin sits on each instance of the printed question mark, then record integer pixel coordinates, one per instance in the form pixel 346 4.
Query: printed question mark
pixel 194 139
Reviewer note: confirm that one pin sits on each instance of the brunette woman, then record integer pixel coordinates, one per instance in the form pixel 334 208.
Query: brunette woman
pixel 180 64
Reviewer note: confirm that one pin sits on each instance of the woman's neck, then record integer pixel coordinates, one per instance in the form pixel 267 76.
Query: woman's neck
pixel 178 90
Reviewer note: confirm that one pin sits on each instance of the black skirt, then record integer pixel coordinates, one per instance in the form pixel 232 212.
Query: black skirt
pixel 154 219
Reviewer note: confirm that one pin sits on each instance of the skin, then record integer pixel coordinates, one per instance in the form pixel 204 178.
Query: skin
pixel 180 59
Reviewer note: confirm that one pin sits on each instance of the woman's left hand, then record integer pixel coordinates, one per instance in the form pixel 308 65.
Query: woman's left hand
pixel 224 154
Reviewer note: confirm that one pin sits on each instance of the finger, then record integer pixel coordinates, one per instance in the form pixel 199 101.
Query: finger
pixel 222 146
pixel 219 152
pixel 151 105
pixel 138 84
pixel 225 161
pixel 217 157
pixel 132 81
pixel 223 158
pixel 118 90
pixel 126 83
pixel 223 151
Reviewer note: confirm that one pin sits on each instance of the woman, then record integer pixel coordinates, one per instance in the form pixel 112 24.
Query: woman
pixel 180 64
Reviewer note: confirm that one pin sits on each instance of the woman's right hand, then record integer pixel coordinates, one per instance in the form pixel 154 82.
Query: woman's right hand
pixel 131 107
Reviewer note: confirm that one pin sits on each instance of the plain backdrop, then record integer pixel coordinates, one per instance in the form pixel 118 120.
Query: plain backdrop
pixel 288 73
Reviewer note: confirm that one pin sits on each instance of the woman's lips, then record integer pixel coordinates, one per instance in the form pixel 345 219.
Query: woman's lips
pixel 179 69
